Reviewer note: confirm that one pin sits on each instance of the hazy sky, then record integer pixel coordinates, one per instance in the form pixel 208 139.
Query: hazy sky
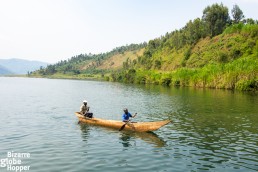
pixel 54 30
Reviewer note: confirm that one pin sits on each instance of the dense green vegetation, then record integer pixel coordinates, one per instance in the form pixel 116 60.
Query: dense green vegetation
pixel 240 74
pixel 214 51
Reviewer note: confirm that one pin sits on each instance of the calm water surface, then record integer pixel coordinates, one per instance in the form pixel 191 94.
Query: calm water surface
pixel 213 130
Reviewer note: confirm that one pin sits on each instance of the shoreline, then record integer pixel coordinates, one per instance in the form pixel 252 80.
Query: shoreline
pixel 99 78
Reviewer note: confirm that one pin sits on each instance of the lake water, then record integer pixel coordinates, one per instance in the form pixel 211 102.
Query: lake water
pixel 213 130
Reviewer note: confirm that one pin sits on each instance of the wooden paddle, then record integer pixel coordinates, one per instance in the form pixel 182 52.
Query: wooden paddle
pixel 123 126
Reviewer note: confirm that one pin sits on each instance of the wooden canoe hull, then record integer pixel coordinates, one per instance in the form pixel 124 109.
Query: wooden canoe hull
pixel 135 126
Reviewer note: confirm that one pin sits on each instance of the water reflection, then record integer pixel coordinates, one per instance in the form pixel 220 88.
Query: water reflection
pixel 127 137
pixel 85 131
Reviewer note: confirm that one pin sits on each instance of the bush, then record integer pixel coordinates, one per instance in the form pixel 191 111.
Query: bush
pixel 107 78
pixel 235 53
pixel 222 57
pixel 187 54
pixel 140 77
pixel 236 28
pixel 157 64
pixel 165 80
pixel 249 85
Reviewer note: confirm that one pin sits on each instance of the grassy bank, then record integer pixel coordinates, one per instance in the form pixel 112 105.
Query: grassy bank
pixel 69 76
pixel 241 74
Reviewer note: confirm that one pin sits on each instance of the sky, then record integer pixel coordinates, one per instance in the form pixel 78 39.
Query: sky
pixel 54 30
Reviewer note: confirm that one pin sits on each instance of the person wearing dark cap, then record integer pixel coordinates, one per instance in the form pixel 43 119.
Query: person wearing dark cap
pixel 126 115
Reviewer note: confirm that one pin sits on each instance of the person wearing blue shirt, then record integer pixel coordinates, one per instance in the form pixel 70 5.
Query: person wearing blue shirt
pixel 126 115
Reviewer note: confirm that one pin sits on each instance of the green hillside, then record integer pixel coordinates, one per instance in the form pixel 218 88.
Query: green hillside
pixel 228 60
pixel 85 66
pixel 214 51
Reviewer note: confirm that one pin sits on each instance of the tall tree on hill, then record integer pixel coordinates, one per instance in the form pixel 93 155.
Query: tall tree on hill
pixel 194 30
pixel 237 14
pixel 216 18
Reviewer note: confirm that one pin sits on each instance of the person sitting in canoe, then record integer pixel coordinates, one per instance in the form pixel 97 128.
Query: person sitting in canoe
pixel 126 115
pixel 84 110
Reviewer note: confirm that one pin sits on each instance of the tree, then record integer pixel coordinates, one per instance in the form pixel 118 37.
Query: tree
pixel 50 69
pixel 237 14
pixel 216 18
pixel 126 64
pixel 194 30
pixel 250 21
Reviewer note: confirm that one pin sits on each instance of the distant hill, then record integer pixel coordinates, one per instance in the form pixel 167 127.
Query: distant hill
pixel 4 71
pixel 90 64
pixel 19 66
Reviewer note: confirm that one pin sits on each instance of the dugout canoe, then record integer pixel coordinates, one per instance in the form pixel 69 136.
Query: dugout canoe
pixel 135 126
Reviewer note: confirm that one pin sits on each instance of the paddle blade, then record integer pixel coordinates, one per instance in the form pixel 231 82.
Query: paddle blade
pixel 122 127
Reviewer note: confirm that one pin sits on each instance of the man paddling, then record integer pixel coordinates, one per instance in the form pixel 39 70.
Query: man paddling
pixel 126 119
pixel 126 115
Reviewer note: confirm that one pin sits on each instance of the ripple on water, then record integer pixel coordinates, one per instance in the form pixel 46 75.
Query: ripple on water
pixel 212 130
